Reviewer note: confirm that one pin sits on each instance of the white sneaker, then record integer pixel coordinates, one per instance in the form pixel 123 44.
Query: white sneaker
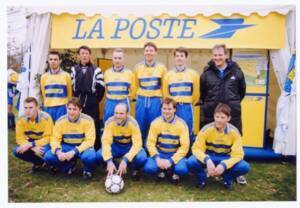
pixel 241 180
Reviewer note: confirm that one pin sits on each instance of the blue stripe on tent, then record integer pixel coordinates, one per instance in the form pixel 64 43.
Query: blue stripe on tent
pixel 218 145
pixel 35 133
pixel 73 136
pixel 168 136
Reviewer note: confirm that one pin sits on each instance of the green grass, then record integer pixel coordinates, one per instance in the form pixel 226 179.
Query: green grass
pixel 266 182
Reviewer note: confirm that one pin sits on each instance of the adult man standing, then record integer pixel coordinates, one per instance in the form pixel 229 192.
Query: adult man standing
pixel 149 75
pixel 33 132
pixel 182 84
pixel 222 81
pixel 119 83
pixel 88 85
pixel 56 88
pixel 122 139
pixel 168 144
pixel 73 137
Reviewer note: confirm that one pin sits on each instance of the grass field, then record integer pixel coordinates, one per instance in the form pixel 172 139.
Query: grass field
pixel 266 182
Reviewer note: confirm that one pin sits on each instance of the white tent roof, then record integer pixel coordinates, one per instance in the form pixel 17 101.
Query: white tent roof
pixel 172 10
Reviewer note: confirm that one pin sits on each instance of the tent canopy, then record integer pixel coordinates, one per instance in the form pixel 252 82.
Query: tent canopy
pixel 172 10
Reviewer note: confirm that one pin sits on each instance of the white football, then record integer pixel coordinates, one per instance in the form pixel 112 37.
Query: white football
pixel 114 184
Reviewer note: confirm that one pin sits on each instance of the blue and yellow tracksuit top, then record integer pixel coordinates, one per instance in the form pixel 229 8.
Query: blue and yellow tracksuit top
pixel 80 133
pixel 210 140
pixel 182 86
pixel 127 134
pixel 119 84
pixel 168 138
pixel 38 132
pixel 56 88
pixel 149 79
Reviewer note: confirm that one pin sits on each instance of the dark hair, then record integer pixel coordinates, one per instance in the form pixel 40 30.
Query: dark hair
pixel 84 48
pixel 169 100
pixel 218 46
pixel 151 45
pixel 181 50
pixel 55 53
pixel 223 108
pixel 76 102
pixel 31 100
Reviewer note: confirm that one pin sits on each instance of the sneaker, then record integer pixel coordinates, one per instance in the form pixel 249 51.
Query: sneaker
pixel 36 168
pixel 241 180
pixel 87 175
pixel 201 186
pixel 136 175
pixel 53 170
pixel 228 186
pixel 161 176
pixel 72 168
pixel 175 179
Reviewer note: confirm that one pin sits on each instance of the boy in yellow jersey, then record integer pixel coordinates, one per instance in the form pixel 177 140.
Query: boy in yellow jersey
pixel 12 79
pixel 119 83
pixel 218 147
pixel 73 137
pixel 56 87
pixel 149 75
pixel 182 84
pixel 168 143
pixel 33 132
pixel 122 139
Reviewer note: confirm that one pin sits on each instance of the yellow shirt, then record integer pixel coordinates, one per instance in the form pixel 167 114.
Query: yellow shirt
pixel 80 133
pixel 149 79
pixel 119 85
pixel 56 88
pixel 228 142
pixel 126 134
pixel 38 131
pixel 182 86
pixel 168 137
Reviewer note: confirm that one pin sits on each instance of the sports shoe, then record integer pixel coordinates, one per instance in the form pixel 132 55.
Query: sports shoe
pixel 241 180
pixel 201 186
pixel 175 179
pixel 37 167
pixel 87 175
pixel 228 186
pixel 72 168
pixel 161 176
pixel 136 175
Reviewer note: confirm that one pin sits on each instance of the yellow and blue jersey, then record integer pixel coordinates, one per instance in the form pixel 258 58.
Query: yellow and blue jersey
pixel 12 79
pixel 127 134
pixel 56 88
pixel 119 84
pixel 210 141
pixel 168 138
pixel 149 79
pixel 80 133
pixel 38 131
pixel 182 86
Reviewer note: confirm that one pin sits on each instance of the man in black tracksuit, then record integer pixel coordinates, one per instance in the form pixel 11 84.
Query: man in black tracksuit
pixel 88 85
pixel 222 81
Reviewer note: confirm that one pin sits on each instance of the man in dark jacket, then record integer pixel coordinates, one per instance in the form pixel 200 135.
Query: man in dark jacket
pixel 88 85
pixel 222 81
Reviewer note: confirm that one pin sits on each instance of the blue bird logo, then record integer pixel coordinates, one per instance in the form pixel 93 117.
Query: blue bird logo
pixel 227 28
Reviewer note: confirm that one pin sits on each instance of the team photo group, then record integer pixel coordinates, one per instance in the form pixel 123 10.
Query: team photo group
pixel 159 140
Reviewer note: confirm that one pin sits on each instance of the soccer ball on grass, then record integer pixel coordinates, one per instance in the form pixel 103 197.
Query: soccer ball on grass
pixel 114 184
